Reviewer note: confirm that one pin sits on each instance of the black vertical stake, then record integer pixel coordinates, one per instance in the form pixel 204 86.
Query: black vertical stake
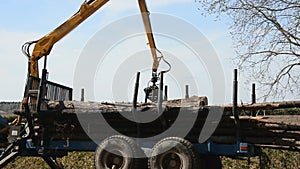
pixel 187 91
pixel 70 95
pixel 82 95
pixel 253 93
pixel 166 93
pixel 253 98
pixel 134 104
pixel 160 100
pixel 235 106
pixel 136 90
pixel 160 92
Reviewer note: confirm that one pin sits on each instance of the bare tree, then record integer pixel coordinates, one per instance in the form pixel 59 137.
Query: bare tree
pixel 266 34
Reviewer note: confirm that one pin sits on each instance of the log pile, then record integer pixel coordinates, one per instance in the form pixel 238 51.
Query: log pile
pixel 272 131
pixel 266 106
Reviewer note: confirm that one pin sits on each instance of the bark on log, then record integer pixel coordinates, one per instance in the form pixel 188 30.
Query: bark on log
pixel 265 106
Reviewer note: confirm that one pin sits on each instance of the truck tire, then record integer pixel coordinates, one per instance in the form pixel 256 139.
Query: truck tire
pixel 118 152
pixel 173 153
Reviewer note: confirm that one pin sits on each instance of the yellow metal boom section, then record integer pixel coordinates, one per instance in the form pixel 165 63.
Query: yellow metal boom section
pixel 147 24
pixel 44 45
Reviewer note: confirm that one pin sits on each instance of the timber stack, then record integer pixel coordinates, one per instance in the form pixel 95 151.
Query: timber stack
pixel 181 116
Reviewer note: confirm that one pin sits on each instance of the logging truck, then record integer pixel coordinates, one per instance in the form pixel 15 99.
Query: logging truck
pixel 184 133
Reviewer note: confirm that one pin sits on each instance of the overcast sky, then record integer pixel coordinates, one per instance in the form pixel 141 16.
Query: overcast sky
pixel 30 20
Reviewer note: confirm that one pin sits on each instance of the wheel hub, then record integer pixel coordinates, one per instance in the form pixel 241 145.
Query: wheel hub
pixel 171 161
pixel 111 160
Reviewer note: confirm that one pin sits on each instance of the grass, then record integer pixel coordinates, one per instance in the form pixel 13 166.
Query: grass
pixel 273 159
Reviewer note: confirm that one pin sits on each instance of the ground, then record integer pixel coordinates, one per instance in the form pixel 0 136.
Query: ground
pixel 275 159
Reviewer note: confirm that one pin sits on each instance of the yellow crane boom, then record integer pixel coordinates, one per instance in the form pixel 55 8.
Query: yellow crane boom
pixel 44 45
pixel 146 20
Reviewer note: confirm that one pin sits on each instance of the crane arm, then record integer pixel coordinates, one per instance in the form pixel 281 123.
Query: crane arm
pixel 147 25
pixel 44 45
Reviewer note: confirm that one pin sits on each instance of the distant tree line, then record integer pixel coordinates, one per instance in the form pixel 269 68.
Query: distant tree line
pixel 9 106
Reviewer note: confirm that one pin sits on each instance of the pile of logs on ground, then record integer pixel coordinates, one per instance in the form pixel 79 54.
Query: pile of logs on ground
pixel 281 131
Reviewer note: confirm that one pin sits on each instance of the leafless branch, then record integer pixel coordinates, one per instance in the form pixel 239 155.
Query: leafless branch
pixel 267 40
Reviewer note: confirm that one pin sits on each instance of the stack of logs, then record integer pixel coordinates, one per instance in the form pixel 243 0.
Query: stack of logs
pixel 280 131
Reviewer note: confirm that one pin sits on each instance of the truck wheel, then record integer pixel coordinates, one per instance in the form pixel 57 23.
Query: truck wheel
pixel 173 153
pixel 117 152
